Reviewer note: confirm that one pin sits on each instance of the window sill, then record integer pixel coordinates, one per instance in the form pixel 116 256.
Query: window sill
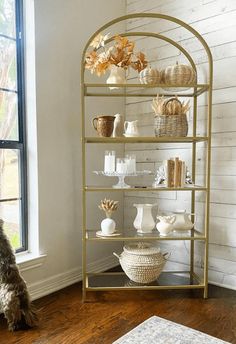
pixel 27 261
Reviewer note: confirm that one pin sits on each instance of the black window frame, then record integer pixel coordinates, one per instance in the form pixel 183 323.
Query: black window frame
pixel 20 145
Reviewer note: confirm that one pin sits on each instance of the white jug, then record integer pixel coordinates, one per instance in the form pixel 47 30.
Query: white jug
pixel 165 224
pixel 183 221
pixel 144 221
pixel 131 129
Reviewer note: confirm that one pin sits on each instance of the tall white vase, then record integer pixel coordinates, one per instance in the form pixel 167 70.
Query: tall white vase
pixel 117 76
pixel 118 126
pixel 144 221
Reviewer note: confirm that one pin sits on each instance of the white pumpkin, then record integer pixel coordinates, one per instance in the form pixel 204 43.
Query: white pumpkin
pixel 149 76
pixel 179 74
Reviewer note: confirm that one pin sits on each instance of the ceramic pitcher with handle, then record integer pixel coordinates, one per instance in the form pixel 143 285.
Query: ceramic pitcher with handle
pixel 183 221
pixel 131 128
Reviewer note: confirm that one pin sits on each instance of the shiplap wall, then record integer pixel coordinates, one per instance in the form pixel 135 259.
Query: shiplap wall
pixel 215 20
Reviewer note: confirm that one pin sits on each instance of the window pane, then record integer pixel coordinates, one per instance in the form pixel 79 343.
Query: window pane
pixel 8 63
pixel 10 213
pixel 7 17
pixel 8 116
pixel 9 174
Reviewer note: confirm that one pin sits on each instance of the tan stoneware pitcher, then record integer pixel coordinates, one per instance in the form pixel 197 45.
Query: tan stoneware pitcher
pixel 104 125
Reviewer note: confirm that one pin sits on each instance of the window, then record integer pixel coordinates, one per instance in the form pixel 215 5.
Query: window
pixel 13 202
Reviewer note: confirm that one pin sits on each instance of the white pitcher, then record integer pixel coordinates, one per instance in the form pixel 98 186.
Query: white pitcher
pixel 183 221
pixel 144 221
pixel 131 128
pixel 165 224
pixel 117 76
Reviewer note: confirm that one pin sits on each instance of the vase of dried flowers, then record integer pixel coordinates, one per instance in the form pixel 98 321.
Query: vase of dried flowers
pixel 117 58
pixel 108 225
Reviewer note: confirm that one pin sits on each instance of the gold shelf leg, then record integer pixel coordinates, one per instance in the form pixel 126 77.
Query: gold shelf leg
pixel 84 248
pixel 205 294
pixel 208 180
pixel 192 244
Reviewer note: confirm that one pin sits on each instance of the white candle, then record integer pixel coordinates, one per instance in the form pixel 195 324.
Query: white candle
pixel 121 166
pixel 109 162
pixel 131 163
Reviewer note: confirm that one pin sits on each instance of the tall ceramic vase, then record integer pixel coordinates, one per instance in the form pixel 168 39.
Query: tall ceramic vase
pixel 144 221
pixel 117 76
pixel 118 126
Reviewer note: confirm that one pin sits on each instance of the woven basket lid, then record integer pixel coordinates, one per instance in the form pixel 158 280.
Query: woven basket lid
pixel 141 248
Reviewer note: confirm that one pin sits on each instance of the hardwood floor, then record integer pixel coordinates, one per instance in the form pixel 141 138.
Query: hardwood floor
pixel 66 320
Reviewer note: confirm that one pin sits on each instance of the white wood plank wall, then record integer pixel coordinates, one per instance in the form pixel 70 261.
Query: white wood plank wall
pixel 215 20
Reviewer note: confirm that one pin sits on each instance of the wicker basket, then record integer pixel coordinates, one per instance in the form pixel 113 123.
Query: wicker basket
pixel 142 262
pixel 172 125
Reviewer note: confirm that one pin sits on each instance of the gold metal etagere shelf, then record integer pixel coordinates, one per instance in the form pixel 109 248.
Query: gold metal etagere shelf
pixel 168 279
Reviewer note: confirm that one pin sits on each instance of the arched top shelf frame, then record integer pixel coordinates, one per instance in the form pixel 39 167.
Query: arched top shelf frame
pixel 155 35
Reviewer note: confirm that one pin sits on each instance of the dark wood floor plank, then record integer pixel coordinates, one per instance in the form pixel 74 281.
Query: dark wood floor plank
pixel 66 320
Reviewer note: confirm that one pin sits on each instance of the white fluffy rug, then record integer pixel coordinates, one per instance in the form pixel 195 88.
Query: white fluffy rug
pixel 156 330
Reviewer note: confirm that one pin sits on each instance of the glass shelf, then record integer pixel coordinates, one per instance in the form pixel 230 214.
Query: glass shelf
pixel 144 188
pixel 167 280
pixel 132 235
pixel 192 90
pixel 163 139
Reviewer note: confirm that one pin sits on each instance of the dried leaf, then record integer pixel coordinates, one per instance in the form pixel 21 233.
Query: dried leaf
pixel 121 55
pixel 99 41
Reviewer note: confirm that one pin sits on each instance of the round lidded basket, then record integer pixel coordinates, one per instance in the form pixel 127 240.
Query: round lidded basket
pixel 142 262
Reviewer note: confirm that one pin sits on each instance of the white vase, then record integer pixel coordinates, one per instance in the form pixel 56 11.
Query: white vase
pixel 117 76
pixel 108 226
pixel 144 221
pixel 118 125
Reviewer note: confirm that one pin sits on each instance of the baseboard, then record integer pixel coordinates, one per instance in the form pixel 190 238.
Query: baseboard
pixel 60 281
pixel 226 286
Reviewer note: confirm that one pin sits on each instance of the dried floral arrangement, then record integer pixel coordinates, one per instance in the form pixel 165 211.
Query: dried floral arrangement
pixel 168 107
pixel 121 54
pixel 109 206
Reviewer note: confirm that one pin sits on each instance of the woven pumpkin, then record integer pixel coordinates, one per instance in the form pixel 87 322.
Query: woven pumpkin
pixel 149 76
pixel 179 74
